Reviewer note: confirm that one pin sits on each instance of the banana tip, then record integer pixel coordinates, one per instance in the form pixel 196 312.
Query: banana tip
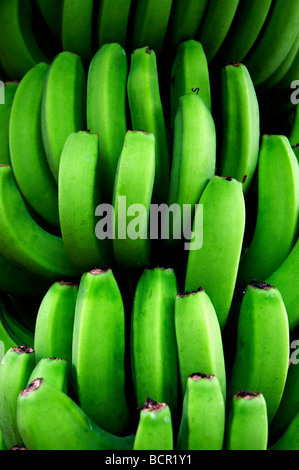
pixel 34 385
pixel 23 349
pixel 261 285
pixel 246 395
pixel 200 376
pixel 182 295
pixel 97 271
pixel 151 405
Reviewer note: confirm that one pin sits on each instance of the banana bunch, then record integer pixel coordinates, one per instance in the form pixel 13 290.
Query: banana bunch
pixel 91 400
pixel 149 208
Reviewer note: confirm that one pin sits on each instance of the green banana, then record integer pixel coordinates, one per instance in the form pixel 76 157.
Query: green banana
pixel 41 407
pixel 113 22
pixel 28 157
pixel 203 415
pixel 263 330
pixel 189 74
pixel 79 196
pixel 277 213
pixel 194 157
pixel 16 366
pixel 63 105
pixel 106 109
pixel 247 24
pixel 146 111
pixel 99 338
pixel 215 265
pixel 53 370
pixel 289 440
pixel 51 11
pixel 154 431
pixel 294 134
pixel 9 91
pixel 247 423
pixel 37 250
pixel 215 25
pixel 198 337
pixel 53 333
pixel 133 189
pixel 76 28
pixel 150 24
pixel 153 343
pixel 241 126
pixel 19 50
pixel 184 22
pixel 278 35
